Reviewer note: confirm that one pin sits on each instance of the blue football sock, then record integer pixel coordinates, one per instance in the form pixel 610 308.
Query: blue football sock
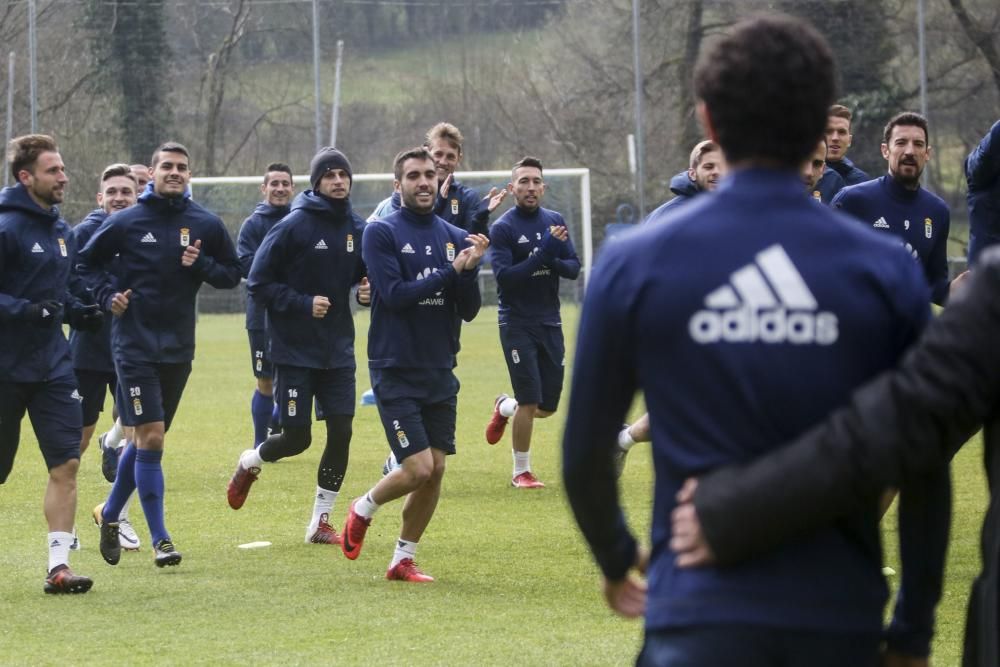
pixel 260 410
pixel 124 484
pixel 149 481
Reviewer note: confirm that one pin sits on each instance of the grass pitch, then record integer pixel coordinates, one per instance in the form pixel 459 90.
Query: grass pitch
pixel 515 584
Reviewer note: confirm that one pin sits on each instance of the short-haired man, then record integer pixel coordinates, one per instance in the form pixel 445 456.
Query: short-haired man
pixel 142 177
pixel 456 203
pixel 896 203
pixel 36 373
pixel 303 274
pixel 796 292
pixel 530 251
pixel 706 168
pixel 982 174
pixel 91 351
pixel 277 189
pixel 813 168
pixel 838 139
pixel 166 246
pixel 423 274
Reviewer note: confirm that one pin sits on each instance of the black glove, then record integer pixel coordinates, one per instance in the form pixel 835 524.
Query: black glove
pixel 44 313
pixel 88 318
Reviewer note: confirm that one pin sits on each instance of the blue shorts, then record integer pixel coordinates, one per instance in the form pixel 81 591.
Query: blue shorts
pixel 150 393
pixel 757 646
pixel 418 408
pixel 535 358
pixel 295 388
pixel 260 353
pixel 94 385
pixel 54 409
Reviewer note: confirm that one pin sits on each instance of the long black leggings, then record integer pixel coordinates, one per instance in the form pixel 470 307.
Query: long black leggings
pixel 294 440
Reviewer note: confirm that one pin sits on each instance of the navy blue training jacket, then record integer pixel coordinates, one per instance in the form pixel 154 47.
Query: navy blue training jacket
pixel 90 350
pixel 848 171
pixel 35 261
pixel 314 251
pixel 528 263
pixel 252 232
pixel 982 174
pixel 417 295
pixel 149 240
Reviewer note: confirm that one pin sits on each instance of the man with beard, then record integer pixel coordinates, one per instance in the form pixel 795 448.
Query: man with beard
pixel 302 274
pixel 164 248
pixel 277 189
pixel 36 373
pixel 420 282
pixel 706 167
pixel 897 204
pixel 456 203
pixel 530 252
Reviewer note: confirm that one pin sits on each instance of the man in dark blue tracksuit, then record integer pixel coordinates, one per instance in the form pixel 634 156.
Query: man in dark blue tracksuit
pixel 982 174
pixel 530 251
pixel 303 274
pixel 91 351
pixel 277 189
pixel 797 292
pixel 897 204
pixel 36 374
pixel 456 203
pixel 423 274
pixel 166 245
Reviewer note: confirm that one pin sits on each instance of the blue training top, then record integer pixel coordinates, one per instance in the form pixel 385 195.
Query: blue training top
pixel 91 350
pixel 528 263
pixel 417 295
pixel 314 251
pixel 252 232
pixel 919 218
pixel 744 318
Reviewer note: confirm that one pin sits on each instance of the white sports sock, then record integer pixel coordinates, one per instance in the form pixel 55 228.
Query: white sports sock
pixel 123 515
pixel 59 543
pixel 115 434
pixel 403 550
pixel 323 504
pixel 365 506
pixel 508 406
pixel 625 440
pixel 250 458
pixel 522 462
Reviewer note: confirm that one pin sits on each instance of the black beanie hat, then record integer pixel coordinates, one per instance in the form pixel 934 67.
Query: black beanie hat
pixel 326 159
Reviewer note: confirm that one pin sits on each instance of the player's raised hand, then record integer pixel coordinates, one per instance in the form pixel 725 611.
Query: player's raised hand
pixel 494 199
pixel 560 232
pixel 119 302
pixel 445 187
pixel 364 292
pixel 191 253
pixel 320 305
pixel 480 242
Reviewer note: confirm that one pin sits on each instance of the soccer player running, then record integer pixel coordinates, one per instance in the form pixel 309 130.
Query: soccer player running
pixel 897 204
pixel 36 373
pixel 166 246
pixel 91 351
pixel 530 251
pixel 796 292
pixel 303 274
pixel 277 189
pixel 423 274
